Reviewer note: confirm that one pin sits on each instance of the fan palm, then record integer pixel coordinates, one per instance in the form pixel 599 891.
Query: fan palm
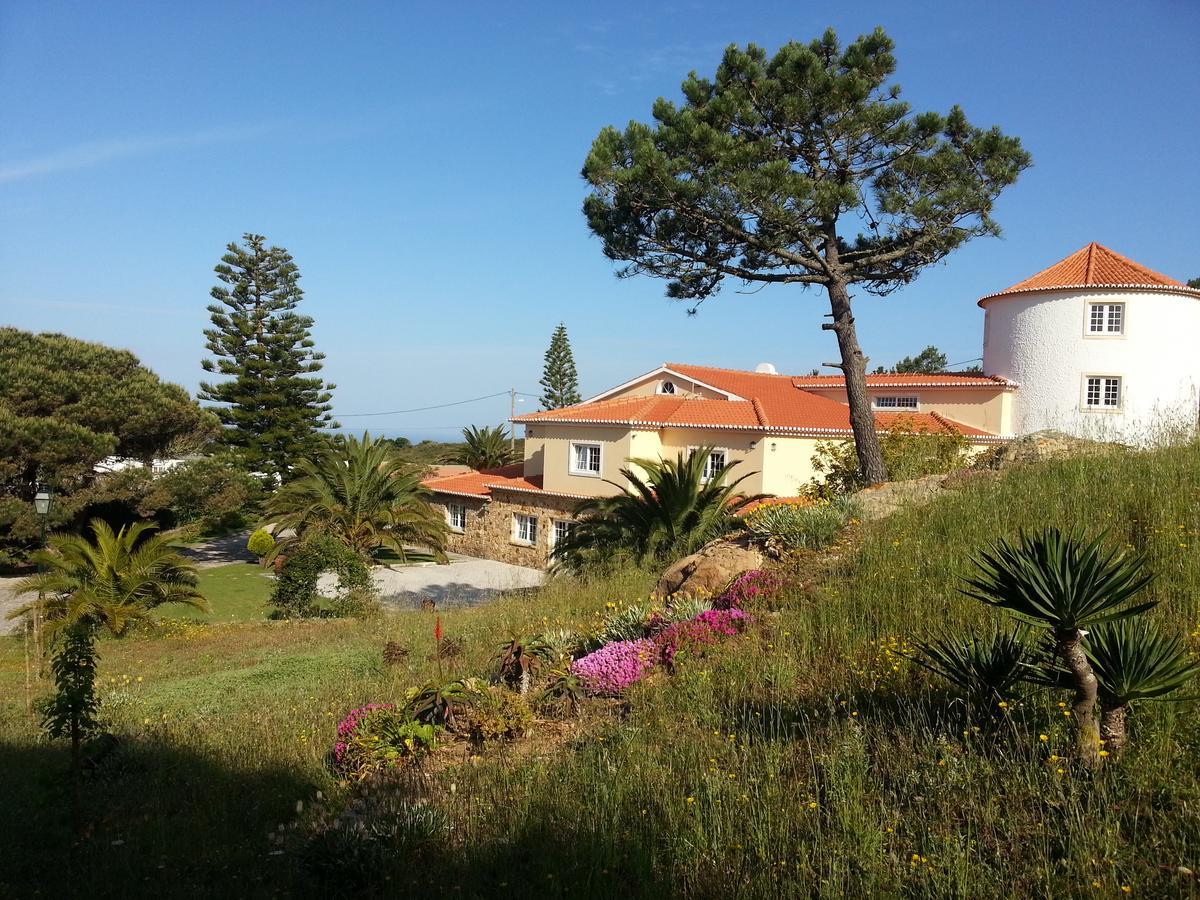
pixel 486 448
pixel 1060 581
pixel 360 492
pixel 108 581
pixel 668 509
pixel 1134 660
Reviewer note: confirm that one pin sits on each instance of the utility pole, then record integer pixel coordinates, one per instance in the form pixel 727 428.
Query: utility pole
pixel 512 428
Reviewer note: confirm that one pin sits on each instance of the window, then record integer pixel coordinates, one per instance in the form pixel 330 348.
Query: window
pixel 562 527
pixel 1101 392
pixel 524 529
pixel 1106 318
pixel 714 464
pixel 585 459
pixel 895 402
pixel 668 387
pixel 456 516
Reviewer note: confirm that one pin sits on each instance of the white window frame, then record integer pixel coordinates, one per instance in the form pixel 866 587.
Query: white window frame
pixel 1102 386
pixel 1105 320
pixel 667 387
pixel 519 521
pixel 897 406
pixel 451 508
pixel 554 527
pixel 709 469
pixel 586 473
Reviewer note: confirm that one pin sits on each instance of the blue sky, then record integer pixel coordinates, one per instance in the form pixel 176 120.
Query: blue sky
pixel 421 163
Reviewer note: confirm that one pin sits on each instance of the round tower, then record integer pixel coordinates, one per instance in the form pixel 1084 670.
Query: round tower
pixel 1101 347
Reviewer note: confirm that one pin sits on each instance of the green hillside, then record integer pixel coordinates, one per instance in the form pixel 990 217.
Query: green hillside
pixel 807 757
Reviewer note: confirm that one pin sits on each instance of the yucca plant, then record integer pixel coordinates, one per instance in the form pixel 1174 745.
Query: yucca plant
pixel 986 670
pixel 1134 660
pixel 1065 583
pixel 666 509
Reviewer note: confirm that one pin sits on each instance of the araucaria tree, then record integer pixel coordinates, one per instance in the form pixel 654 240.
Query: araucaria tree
pixel 803 169
pixel 272 402
pixel 559 378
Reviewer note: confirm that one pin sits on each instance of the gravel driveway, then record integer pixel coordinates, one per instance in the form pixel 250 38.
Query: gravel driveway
pixel 8 602
pixel 465 581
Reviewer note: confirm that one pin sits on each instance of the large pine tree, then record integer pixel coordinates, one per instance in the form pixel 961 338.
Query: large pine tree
pixel 559 378
pixel 273 403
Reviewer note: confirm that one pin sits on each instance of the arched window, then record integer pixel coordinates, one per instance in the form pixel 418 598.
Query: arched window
pixel 668 387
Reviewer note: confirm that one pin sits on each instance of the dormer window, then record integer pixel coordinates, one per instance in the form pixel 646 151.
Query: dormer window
pixel 667 387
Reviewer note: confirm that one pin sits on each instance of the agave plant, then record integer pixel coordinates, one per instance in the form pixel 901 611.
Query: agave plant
pixel 1134 660
pixel 1063 582
pixel 519 660
pixel 986 670
pixel 667 508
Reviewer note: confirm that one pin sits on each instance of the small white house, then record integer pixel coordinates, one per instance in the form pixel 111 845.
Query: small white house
pixel 1101 347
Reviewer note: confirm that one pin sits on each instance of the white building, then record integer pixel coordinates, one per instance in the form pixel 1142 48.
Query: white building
pixel 1100 346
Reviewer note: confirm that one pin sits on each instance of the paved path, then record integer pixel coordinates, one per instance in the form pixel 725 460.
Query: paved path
pixel 465 581
pixel 8 602
pixel 220 551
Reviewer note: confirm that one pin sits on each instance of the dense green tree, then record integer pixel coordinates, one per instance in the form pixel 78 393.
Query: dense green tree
pixel 272 402
pixel 1194 282
pixel 361 493
pixel 930 361
pixel 108 581
pixel 666 509
pixel 66 404
pixel 486 448
pixel 806 169
pixel 559 378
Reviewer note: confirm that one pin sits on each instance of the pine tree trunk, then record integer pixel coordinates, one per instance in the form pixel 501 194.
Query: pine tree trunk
pixel 1112 728
pixel 854 368
pixel 1087 732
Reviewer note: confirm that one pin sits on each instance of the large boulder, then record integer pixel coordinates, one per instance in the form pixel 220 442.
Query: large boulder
pixel 1036 447
pixel 881 500
pixel 710 570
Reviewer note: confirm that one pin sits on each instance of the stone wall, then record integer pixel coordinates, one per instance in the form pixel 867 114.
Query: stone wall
pixel 489 531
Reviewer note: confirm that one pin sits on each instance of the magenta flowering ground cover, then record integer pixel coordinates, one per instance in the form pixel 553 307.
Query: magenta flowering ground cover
pixel 616 666
pixel 747 587
pixel 347 727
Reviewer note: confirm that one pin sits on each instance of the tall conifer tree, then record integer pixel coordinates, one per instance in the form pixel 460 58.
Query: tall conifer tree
pixel 559 378
pixel 272 403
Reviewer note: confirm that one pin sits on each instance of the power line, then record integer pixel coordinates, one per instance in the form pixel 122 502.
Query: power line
pixel 397 412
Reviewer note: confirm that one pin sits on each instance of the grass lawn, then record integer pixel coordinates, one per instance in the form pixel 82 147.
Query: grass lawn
pixel 805 758
pixel 238 592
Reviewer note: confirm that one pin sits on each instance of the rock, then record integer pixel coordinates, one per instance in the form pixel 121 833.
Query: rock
pixel 881 500
pixel 710 570
pixel 1036 447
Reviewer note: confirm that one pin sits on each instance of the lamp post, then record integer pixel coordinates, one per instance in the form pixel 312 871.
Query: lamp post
pixel 43 501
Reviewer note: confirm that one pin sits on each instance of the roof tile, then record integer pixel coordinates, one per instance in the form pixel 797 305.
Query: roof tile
pixel 1094 266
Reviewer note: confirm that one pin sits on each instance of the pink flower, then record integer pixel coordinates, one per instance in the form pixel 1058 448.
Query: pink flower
pixel 749 586
pixel 616 666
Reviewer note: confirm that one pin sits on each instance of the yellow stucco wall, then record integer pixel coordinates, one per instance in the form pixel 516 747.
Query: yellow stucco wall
pixel 683 388
pixel 547 453
pixel 983 408
pixel 787 463
pixel 736 445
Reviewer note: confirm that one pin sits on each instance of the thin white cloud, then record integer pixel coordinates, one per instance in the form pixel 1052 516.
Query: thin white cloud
pixel 96 153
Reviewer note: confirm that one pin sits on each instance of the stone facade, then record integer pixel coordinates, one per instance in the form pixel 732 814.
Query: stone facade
pixel 490 531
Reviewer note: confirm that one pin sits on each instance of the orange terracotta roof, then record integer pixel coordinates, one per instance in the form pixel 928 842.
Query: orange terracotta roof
pixel 776 406
pixel 896 379
pixel 1095 266
pixel 481 483
pixel 472 483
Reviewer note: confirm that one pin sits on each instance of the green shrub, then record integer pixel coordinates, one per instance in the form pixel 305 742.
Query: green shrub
pixel 383 738
pixel 296 587
pixel 790 526
pixel 910 450
pixel 497 714
pixel 260 543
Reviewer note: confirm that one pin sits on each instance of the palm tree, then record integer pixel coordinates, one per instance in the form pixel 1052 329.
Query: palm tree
pixel 487 448
pixel 668 510
pixel 362 493
pixel 108 581
pixel 1056 580
pixel 1133 660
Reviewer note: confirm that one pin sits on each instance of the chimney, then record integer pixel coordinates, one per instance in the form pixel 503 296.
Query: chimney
pixel 765 369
